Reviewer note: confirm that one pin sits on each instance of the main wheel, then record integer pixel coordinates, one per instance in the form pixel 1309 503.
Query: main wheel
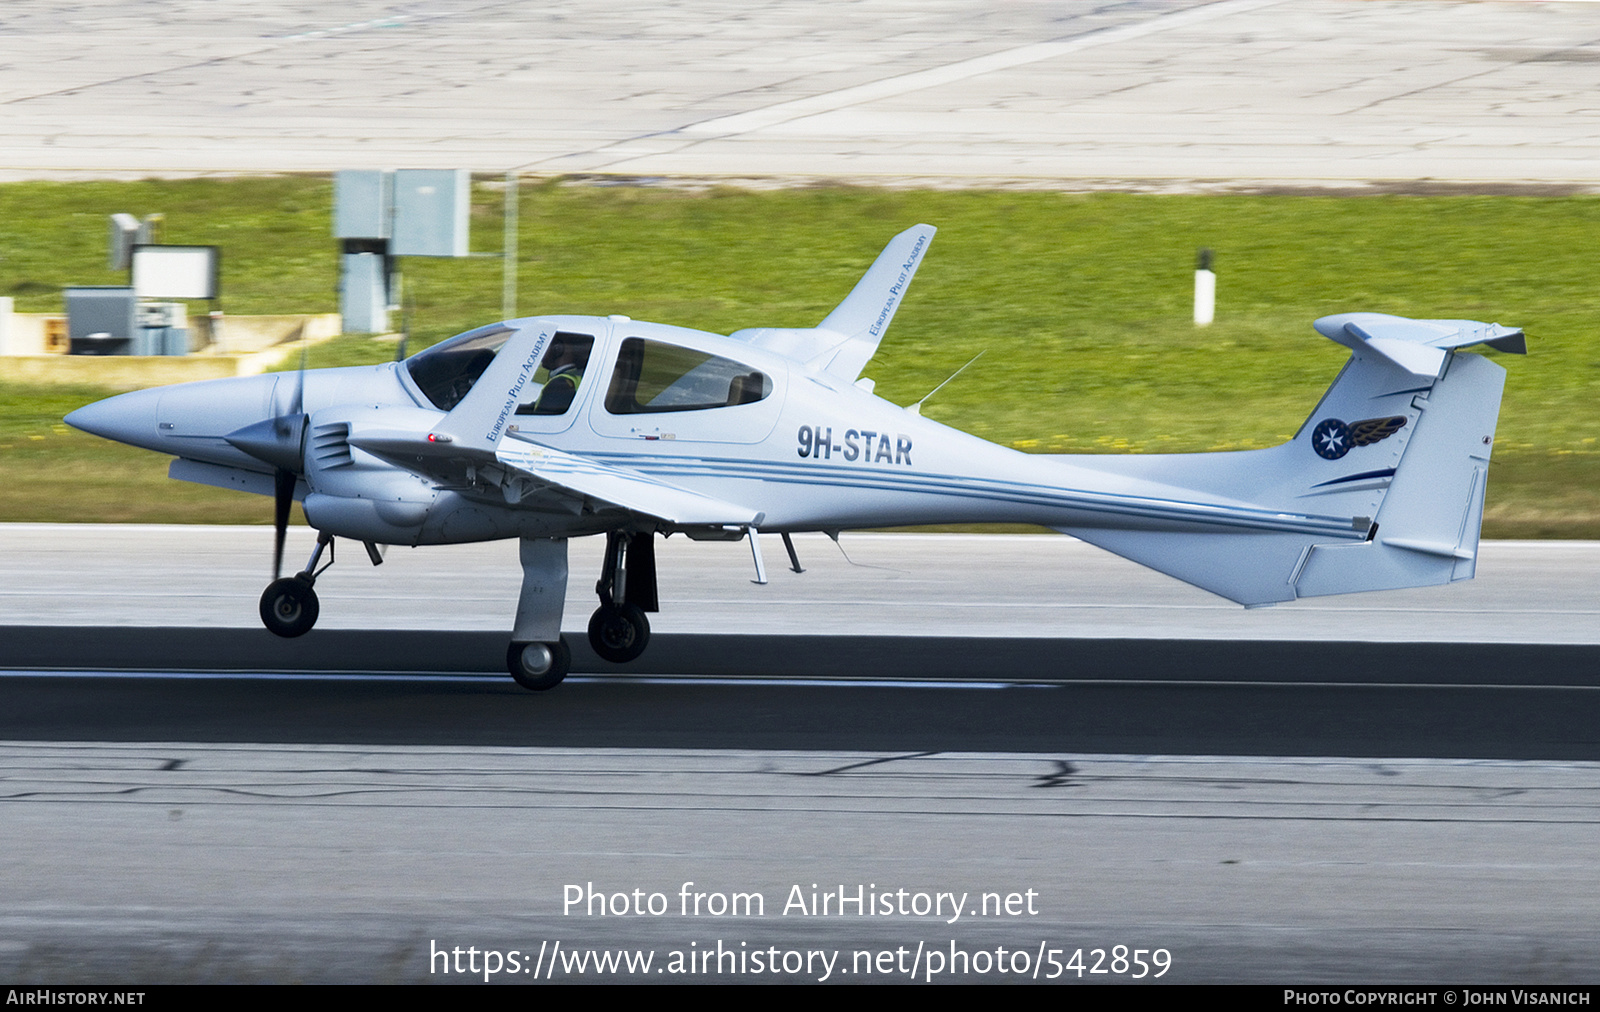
pixel 619 632
pixel 538 666
pixel 289 607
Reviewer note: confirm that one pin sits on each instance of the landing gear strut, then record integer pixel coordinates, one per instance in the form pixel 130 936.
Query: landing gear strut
pixel 289 606
pixel 538 658
pixel 618 630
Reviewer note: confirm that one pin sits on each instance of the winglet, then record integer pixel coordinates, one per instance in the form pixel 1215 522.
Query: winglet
pixel 478 422
pixel 865 314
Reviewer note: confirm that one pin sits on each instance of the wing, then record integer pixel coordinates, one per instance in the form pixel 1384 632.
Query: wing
pixel 632 490
pixel 525 472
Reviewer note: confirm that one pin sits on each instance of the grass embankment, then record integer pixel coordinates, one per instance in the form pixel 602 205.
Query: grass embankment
pixel 1082 303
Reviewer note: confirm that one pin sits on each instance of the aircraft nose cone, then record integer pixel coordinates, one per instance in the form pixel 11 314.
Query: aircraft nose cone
pixel 126 418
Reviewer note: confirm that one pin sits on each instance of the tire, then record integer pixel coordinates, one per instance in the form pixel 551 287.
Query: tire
pixel 528 671
pixel 289 607
pixel 619 632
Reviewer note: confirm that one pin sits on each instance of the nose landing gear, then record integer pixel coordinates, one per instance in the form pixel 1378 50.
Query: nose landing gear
pixel 289 606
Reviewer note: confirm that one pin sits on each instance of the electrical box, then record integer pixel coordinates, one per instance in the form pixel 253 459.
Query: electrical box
pixel 363 294
pixel 163 329
pixel 363 204
pixel 430 212
pixel 100 319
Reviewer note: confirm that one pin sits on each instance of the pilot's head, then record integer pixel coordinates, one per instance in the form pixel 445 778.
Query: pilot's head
pixel 561 353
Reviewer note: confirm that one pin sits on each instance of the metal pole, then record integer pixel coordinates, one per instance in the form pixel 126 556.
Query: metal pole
pixel 508 278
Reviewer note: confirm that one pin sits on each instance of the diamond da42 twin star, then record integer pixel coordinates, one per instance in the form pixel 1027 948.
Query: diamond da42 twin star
pixel 553 427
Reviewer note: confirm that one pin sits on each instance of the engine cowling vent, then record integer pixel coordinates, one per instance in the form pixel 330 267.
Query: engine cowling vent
pixel 330 445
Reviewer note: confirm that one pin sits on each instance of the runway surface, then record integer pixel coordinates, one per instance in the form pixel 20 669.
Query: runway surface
pixel 1174 93
pixel 1025 586
pixel 171 861
pixel 203 802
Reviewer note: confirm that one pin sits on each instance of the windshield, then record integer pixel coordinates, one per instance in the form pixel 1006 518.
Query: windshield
pixel 448 370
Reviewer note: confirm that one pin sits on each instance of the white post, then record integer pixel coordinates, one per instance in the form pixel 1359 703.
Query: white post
pixel 6 305
pixel 1205 290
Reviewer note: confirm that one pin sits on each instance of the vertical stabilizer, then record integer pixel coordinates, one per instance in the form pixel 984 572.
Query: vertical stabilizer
pixel 1403 451
pixel 1427 530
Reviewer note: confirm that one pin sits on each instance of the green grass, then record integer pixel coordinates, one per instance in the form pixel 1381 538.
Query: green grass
pixel 1081 303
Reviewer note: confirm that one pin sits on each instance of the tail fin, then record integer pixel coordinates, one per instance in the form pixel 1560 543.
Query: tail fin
pixel 1427 529
pixel 1402 437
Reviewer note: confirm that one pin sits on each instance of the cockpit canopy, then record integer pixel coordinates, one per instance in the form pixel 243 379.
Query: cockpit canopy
pixel 445 372
pixel 651 376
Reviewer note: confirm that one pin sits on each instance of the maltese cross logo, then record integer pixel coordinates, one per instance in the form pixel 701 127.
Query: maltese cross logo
pixel 1331 439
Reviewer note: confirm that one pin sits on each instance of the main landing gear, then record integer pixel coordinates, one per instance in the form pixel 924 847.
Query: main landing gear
pixel 618 629
pixel 537 657
pixel 538 666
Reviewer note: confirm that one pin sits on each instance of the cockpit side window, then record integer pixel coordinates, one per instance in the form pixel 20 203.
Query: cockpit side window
pixel 445 372
pixel 556 381
pixel 652 376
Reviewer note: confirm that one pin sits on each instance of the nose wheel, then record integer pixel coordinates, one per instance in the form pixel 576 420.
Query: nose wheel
pixel 538 666
pixel 619 632
pixel 289 606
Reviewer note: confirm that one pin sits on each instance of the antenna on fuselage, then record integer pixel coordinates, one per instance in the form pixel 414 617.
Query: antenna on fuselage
pixel 916 409
pixel 834 535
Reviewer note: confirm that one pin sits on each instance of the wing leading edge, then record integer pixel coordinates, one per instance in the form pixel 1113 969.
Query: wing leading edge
pixel 524 471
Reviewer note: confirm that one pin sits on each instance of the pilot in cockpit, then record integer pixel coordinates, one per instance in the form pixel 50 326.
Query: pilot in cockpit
pixel 564 364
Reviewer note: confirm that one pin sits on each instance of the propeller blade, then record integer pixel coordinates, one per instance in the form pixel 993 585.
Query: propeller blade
pixel 283 497
pixel 298 406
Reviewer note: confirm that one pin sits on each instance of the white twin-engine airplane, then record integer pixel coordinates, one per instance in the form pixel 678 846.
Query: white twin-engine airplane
pixel 553 427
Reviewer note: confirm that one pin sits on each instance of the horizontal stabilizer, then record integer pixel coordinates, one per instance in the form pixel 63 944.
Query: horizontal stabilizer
pixel 1418 346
